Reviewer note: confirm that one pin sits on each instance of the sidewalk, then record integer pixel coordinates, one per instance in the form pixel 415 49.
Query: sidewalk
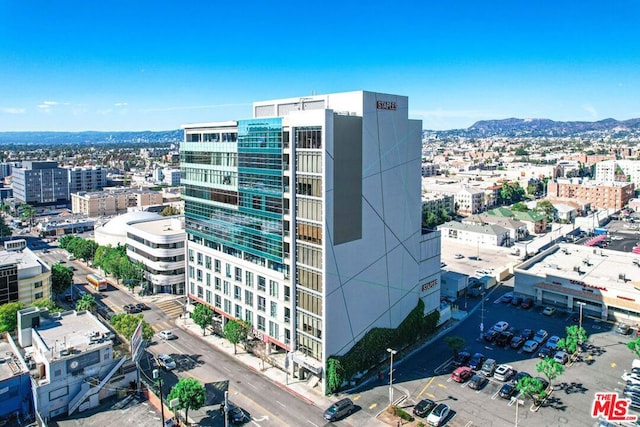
pixel 301 388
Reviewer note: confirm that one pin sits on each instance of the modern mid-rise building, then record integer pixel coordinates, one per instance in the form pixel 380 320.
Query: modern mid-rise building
pixel 87 179
pixel 23 277
pixel 41 183
pixel 305 221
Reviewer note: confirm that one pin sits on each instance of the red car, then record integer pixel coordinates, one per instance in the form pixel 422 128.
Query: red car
pixel 461 374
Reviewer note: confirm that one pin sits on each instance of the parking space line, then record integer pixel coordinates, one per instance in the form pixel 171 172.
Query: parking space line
pixel 426 386
pixel 495 395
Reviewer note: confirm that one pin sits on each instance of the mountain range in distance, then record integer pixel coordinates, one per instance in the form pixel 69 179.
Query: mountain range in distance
pixel 516 128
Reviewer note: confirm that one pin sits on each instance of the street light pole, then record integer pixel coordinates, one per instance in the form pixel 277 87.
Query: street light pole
pixel 580 304
pixel 392 352
pixel 481 315
pixel 157 377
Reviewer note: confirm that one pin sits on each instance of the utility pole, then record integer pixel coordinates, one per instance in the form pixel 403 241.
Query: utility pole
pixel 158 378
pixel 392 352
pixel 226 409
pixel 580 304
pixel 481 315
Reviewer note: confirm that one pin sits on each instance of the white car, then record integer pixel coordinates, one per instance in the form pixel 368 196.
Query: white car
pixel 501 326
pixel 630 377
pixel 459 256
pixel 167 335
pixel 530 346
pixel 561 357
pixel 541 336
pixel 166 361
pixel 503 372
pixel 438 415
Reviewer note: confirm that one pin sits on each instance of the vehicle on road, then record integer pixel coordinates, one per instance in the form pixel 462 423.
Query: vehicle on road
pixel 549 311
pixel 438 416
pixel 131 309
pixel 488 367
pixel 508 390
pixel 530 346
pixel 478 381
pixel 167 334
pixel 461 374
pixel 99 283
pixel 504 372
pixel 165 361
pixel 462 358
pixel 476 361
pixel 424 407
pixel 235 414
pixel 540 336
pixel 142 306
pixel 340 409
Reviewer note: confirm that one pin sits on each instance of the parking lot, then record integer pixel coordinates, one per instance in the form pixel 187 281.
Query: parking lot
pixel 598 369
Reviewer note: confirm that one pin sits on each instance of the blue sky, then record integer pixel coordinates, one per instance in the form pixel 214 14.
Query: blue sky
pixel 155 65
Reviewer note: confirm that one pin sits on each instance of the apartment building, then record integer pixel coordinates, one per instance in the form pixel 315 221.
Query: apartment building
pixel 602 195
pixel 305 221
pixel 23 277
pixel 436 202
pixel 41 183
pixel 91 178
pixel 113 201
pixel 618 170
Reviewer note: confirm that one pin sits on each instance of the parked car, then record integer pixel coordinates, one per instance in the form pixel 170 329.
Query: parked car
pixel 630 377
pixel 490 335
pixel 552 342
pixel 540 336
pixel 165 361
pixel 549 311
pixel 527 334
pixel 530 346
pixel 131 309
pixel 476 361
pixel 488 367
pixel 506 298
pixel 504 338
pixel 461 374
pixel 424 407
pixel 508 390
pixel 516 301
pixel 339 410
pixel 623 329
pixel 458 256
pixel 504 372
pixel 527 303
pixel 561 357
pixel 462 358
pixel 478 381
pixel 501 326
pixel 517 342
pixel 545 352
pixel 520 375
pixel 438 415
pixel 167 334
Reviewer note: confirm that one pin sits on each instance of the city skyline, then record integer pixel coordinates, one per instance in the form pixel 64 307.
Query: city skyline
pixel 157 66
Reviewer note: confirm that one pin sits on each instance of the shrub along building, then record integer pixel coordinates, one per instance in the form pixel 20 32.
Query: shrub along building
pixel 305 221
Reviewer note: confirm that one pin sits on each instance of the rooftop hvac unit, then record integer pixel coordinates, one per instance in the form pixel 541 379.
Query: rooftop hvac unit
pixel 622 277
pixel 576 268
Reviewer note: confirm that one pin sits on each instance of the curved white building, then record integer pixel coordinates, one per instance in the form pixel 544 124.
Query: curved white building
pixel 114 231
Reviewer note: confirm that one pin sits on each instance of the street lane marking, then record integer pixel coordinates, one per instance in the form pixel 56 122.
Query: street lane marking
pixel 442 385
pixel 373 405
pixel 431 395
pixel 283 405
pixel 613 364
pixel 426 386
pixel 357 397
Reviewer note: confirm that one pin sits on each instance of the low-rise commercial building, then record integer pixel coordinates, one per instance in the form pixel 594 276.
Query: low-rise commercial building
pixel 479 234
pixel 23 277
pixel 567 275
pixel 15 384
pixel 71 360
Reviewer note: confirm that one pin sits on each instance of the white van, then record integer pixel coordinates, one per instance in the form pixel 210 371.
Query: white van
pixel 71 257
pixel 635 363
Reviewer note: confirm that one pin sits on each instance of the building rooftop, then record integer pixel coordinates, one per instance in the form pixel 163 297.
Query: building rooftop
pixel 10 364
pixel 166 226
pixel 25 259
pixel 596 267
pixel 72 332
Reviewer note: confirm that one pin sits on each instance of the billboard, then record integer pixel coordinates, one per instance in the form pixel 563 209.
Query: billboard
pixel 136 342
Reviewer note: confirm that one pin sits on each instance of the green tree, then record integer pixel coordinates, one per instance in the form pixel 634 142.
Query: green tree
pixel 547 209
pixel 520 151
pixel 531 387
pixel 190 393
pixel 335 374
pixel 48 304
pixel 87 302
pixel 575 335
pixel 550 368
pixel 9 316
pixel 5 230
pixel 519 207
pixel 235 331
pixel 61 278
pixel 169 211
pixel 28 213
pixel 126 324
pixel 86 249
pixel 455 343
pixel 65 240
pixel 634 346
pixel 202 316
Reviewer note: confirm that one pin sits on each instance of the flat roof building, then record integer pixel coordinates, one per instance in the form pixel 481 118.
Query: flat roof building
pixel 24 277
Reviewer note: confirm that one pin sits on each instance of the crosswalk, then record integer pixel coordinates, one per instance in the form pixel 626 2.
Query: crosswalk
pixel 161 326
pixel 172 308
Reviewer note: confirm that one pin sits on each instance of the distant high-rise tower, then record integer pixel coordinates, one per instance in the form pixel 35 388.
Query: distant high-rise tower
pixel 305 221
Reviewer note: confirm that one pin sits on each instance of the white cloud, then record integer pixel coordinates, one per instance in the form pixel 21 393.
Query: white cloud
pixel 591 110
pixel 120 104
pixel 13 110
pixel 191 107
